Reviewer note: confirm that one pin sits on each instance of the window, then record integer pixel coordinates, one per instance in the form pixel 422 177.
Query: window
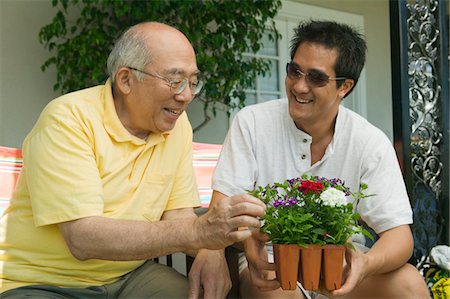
pixel 266 87
pixel 271 86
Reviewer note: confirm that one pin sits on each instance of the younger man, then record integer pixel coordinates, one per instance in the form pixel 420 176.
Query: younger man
pixel 310 132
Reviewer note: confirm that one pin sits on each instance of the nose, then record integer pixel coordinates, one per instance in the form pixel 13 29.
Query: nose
pixel 299 84
pixel 187 95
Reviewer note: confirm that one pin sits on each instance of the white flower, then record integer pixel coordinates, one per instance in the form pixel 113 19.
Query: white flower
pixel 333 197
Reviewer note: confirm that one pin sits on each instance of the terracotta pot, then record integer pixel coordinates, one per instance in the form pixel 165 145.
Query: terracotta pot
pixel 286 258
pixel 333 260
pixel 310 265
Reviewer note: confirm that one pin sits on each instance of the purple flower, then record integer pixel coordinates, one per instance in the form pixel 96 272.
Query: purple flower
pixel 278 202
pixel 292 201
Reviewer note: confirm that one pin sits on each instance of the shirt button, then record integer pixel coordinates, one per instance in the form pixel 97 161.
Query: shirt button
pixel 303 157
pixel 305 140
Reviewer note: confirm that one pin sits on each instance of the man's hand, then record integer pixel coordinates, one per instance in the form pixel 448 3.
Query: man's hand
pixel 218 228
pixel 391 251
pixel 209 275
pixel 354 271
pixel 258 265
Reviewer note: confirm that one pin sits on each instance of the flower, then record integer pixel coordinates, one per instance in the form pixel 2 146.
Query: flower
pixel 310 210
pixel 333 197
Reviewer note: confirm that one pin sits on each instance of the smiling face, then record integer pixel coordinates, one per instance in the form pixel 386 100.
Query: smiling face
pixel 151 105
pixel 309 105
pixel 154 103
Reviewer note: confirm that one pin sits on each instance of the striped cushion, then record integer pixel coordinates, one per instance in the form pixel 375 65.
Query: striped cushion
pixel 204 161
pixel 10 166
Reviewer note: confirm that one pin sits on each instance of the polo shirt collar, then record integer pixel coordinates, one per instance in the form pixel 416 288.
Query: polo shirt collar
pixel 114 126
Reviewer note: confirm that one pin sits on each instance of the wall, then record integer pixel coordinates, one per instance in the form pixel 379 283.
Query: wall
pixel 24 88
pixel 378 67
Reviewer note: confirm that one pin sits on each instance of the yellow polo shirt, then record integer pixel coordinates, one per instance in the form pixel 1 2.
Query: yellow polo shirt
pixel 80 161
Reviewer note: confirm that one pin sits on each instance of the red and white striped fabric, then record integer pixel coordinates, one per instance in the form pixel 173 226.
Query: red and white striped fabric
pixel 204 161
pixel 10 167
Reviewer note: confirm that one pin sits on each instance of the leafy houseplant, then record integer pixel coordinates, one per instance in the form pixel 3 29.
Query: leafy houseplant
pixel 311 212
pixel 221 31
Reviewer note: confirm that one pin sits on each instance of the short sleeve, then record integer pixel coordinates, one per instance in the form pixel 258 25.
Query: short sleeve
pixel 389 206
pixel 61 171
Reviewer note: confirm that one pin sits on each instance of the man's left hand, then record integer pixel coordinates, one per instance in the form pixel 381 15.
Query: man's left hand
pixel 354 271
pixel 209 275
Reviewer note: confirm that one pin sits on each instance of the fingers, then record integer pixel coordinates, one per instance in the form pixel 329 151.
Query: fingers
pixel 213 291
pixel 261 282
pixel 248 199
pixel 352 272
pixel 239 205
pixel 261 265
pixel 266 284
pixel 246 205
pixel 194 287
pixel 260 236
pixel 210 292
pixel 193 292
pixel 221 225
pixel 346 288
pixel 244 222
pixel 265 265
pixel 239 235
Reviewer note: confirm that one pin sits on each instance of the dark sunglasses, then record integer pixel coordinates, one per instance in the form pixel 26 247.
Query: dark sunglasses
pixel 314 79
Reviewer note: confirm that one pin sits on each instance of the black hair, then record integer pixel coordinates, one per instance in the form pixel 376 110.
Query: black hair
pixel 349 43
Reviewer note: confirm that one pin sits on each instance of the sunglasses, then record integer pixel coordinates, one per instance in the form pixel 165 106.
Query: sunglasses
pixel 313 78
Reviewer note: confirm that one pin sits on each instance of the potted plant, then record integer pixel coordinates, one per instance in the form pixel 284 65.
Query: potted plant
pixel 316 215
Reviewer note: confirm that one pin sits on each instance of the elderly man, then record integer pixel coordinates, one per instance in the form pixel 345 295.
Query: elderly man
pixel 108 184
pixel 311 133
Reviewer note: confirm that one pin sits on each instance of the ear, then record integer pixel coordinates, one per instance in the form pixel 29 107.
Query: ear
pixel 346 87
pixel 124 80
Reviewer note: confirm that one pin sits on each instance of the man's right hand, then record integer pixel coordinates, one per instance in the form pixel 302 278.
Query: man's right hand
pixel 258 265
pixel 219 227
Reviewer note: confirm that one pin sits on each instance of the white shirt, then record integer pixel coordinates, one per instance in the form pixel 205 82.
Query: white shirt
pixel 264 146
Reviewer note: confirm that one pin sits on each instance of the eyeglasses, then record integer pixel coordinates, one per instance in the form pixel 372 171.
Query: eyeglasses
pixel 314 78
pixel 176 86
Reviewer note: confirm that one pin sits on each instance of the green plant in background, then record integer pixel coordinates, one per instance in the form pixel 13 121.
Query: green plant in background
pixel 82 33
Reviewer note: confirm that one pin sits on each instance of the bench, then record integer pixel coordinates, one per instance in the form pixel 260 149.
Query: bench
pixel 205 157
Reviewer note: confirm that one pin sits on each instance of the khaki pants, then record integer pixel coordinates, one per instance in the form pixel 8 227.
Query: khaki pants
pixel 151 280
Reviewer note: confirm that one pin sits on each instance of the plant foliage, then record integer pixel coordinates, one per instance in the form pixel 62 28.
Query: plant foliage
pixel 82 33
pixel 310 210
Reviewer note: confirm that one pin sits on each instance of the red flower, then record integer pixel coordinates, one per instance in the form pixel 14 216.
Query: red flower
pixel 308 186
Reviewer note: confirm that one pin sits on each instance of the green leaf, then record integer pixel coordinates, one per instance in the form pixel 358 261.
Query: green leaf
pixel 218 30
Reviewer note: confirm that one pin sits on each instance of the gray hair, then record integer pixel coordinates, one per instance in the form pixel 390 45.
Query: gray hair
pixel 130 50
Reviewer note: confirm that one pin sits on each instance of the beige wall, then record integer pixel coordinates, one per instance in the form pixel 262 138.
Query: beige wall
pixel 24 88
